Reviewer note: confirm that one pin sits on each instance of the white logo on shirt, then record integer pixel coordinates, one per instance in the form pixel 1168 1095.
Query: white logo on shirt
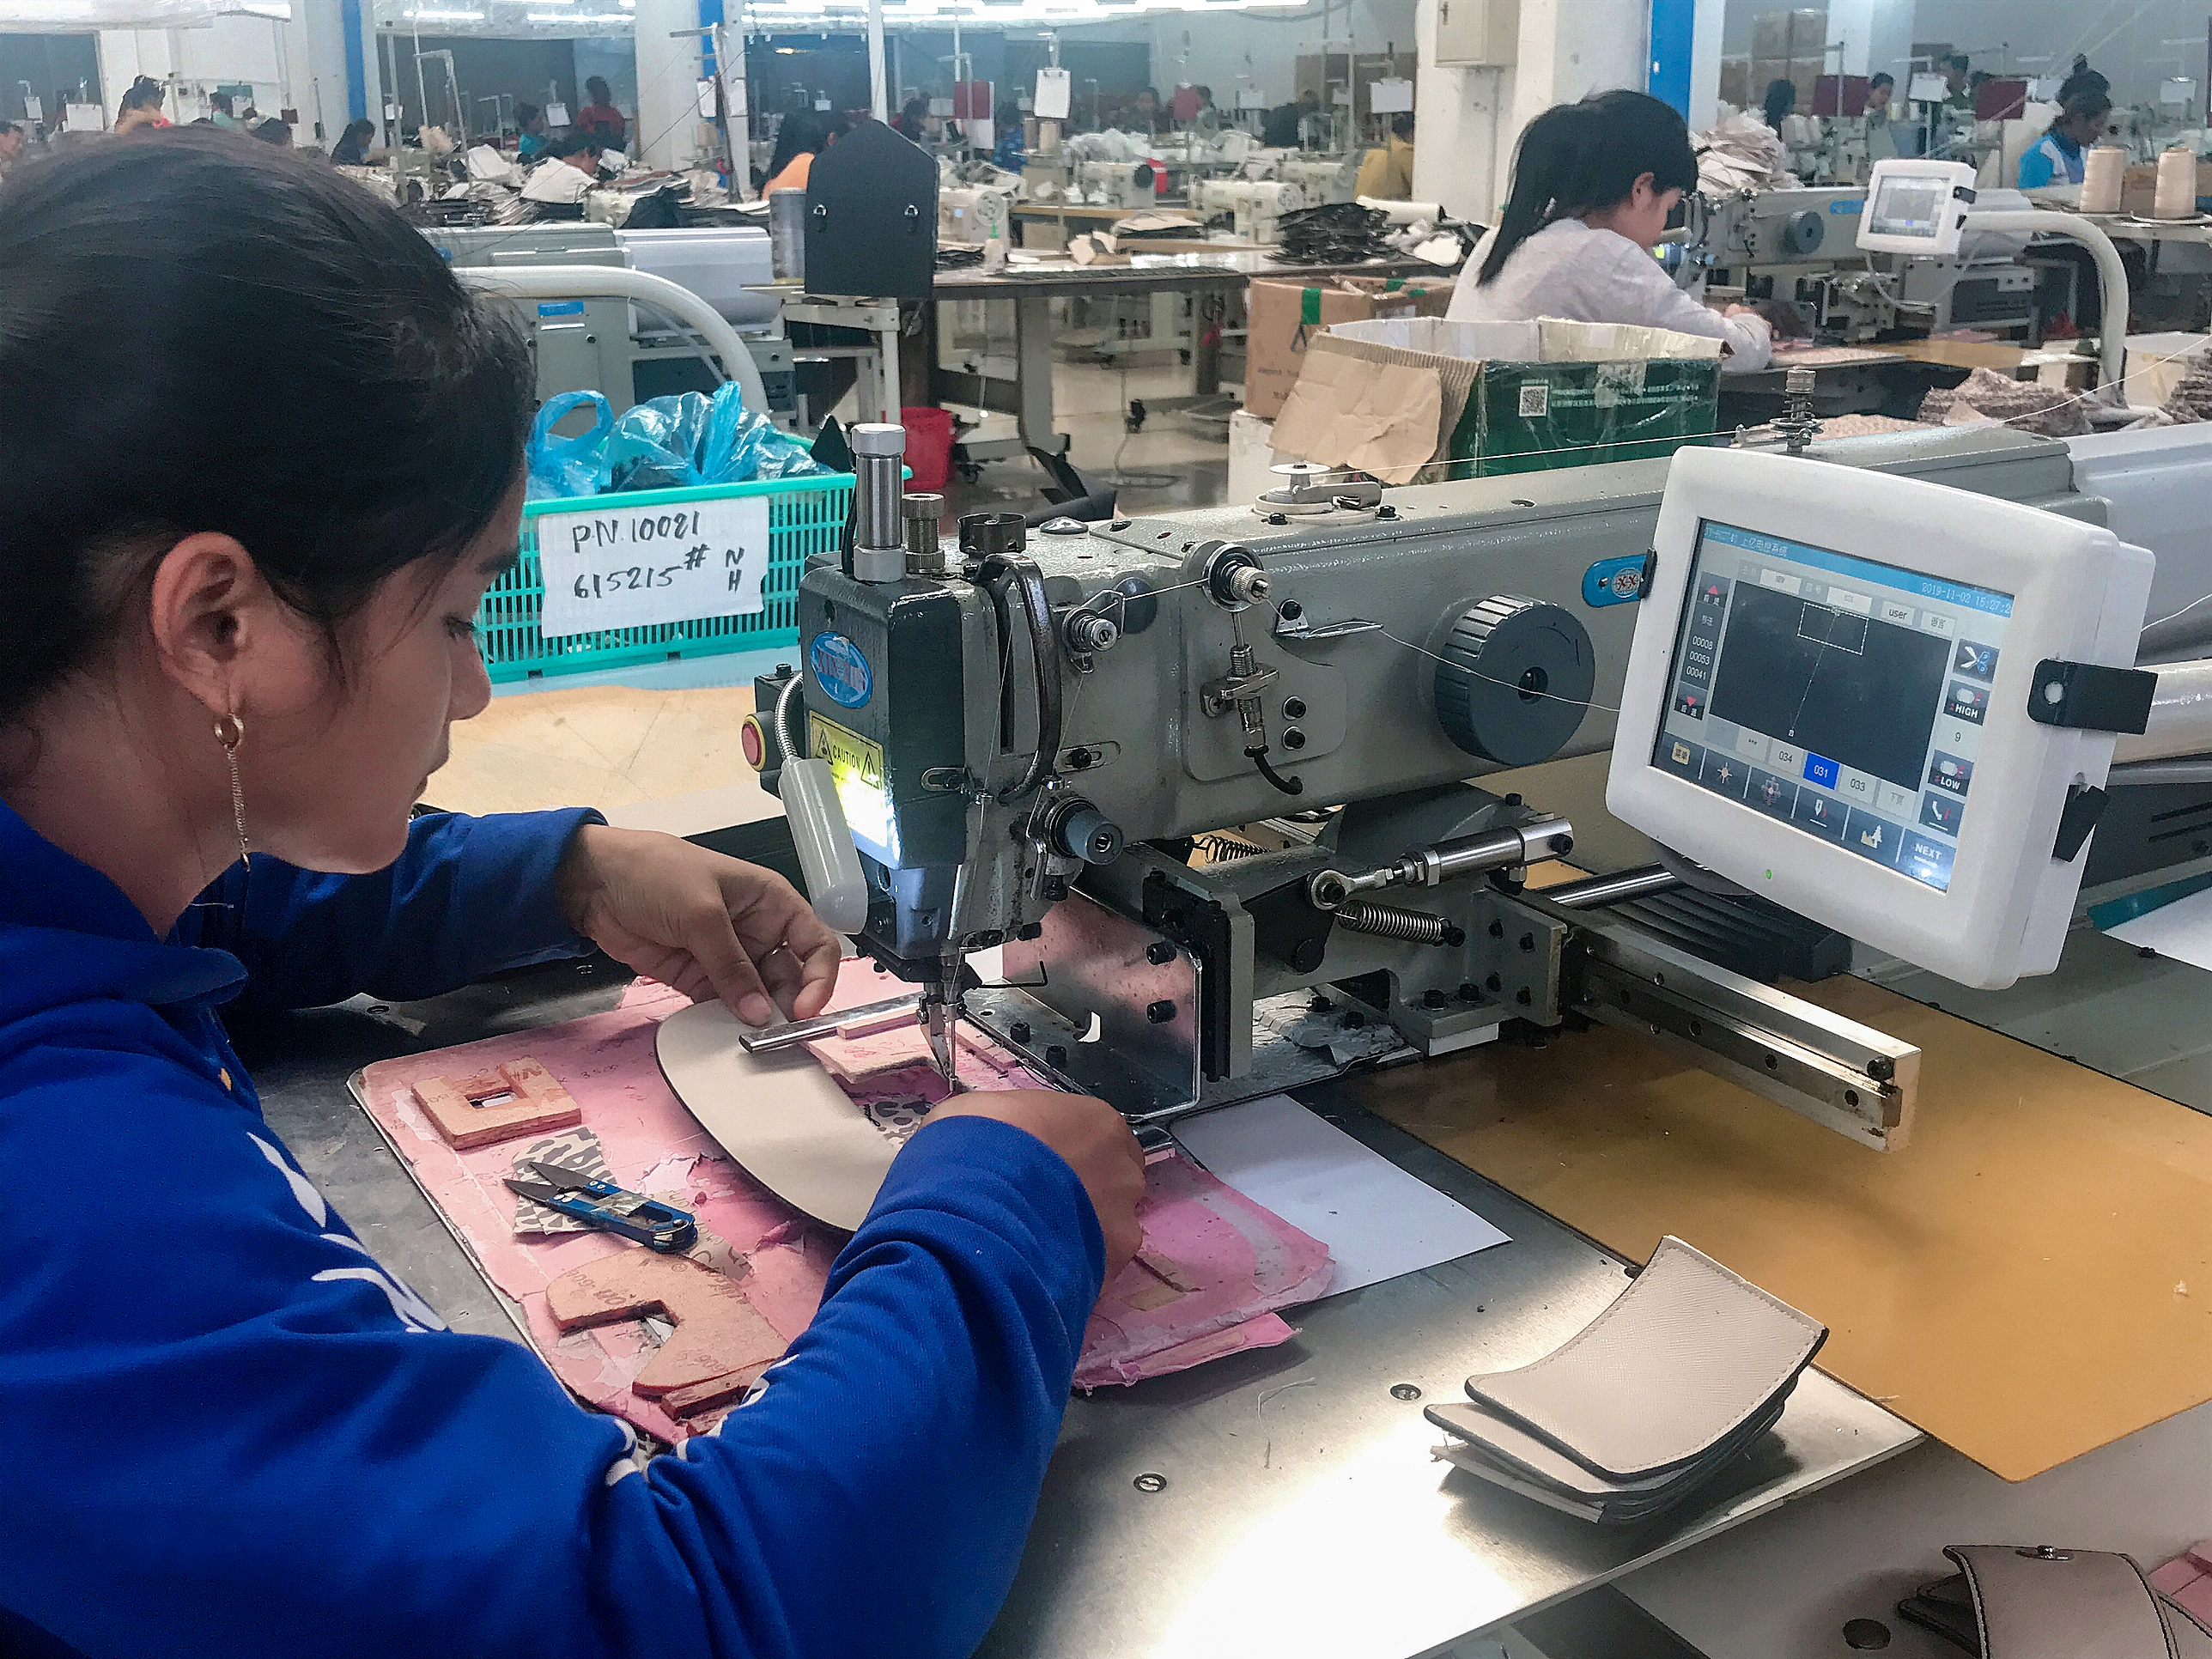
pixel 409 1309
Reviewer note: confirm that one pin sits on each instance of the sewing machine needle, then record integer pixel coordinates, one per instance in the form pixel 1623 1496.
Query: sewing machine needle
pixel 940 1011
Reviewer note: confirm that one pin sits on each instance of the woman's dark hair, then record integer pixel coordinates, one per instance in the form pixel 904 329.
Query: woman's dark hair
pixel 524 115
pixel 1576 157
pixel 361 131
pixel 2087 104
pixel 1781 98
pixel 145 94
pixel 2083 82
pixel 601 93
pixel 189 260
pixel 573 141
pixel 800 133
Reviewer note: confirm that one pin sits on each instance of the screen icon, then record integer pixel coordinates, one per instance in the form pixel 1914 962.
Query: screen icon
pixel 1949 772
pixel 1691 703
pixel 1772 794
pixel 1967 702
pixel 1942 812
pixel 1820 814
pixel 1678 756
pixel 1725 775
pixel 1979 660
pixel 1820 769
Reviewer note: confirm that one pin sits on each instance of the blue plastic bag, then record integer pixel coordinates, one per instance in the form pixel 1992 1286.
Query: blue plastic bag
pixel 677 442
pixel 566 466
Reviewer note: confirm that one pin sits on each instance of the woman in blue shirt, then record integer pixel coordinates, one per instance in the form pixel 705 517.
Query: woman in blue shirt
pixel 2056 158
pixel 232 666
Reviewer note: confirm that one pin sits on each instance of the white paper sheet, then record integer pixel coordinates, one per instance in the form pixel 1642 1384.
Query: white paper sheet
pixel 607 565
pixel 2182 930
pixel 1378 1221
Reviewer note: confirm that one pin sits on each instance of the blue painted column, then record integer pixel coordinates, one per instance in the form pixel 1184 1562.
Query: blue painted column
pixel 1674 33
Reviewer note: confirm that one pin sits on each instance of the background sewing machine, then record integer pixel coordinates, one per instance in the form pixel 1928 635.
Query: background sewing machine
pixel 1255 207
pixel 614 346
pixel 1801 245
pixel 1190 770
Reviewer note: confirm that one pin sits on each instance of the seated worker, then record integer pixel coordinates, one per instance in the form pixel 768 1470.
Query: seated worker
pixel 1280 130
pixel 222 113
pixel 576 147
pixel 1387 173
pixel 274 131
pixel 532 134
pixel 1012 150
pixel 227 674
pixel 2056 157
pixel 912 122
pixel 352 146
pixel 12 144
pixel 800 137
pixel 1593 185
pixel 140 108
pixel 1781 98
pixel 600 118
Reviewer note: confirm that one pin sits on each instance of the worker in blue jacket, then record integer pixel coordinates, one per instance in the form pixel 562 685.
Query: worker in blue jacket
pixel 2057 157
pixel 232 658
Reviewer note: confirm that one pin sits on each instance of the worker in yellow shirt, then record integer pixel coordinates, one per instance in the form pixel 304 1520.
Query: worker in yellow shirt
pixel 1388 174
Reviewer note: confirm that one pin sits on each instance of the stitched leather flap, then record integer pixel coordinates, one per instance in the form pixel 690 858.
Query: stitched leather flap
pixel 1684 1355
pixel 2062 1604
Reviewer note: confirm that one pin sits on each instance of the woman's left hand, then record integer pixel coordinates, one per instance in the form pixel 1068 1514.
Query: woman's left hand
pixel 707 925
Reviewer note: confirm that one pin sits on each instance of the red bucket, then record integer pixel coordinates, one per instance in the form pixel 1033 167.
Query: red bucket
pixel 928 447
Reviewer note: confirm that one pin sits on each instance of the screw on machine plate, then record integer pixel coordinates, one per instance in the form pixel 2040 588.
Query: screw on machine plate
pixel 1149 1482
pixel 1405 1391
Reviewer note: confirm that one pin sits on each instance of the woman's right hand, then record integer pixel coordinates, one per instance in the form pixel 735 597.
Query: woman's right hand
pixel 1094 1140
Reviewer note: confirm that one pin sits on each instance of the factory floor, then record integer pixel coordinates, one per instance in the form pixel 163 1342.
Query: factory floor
pixel 1180 458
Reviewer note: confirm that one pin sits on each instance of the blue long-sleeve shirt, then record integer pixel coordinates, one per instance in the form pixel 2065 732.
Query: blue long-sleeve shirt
pixel 225 1430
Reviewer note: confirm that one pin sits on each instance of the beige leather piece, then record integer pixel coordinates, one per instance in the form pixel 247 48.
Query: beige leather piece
pixel 2190 1639
pixel 1686 1353
pixel 1528 1455
pixel 779 1116
pixel 2029 1279
pixel 2062 1604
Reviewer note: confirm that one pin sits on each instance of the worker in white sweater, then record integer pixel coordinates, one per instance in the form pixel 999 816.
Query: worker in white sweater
pixel 1593 185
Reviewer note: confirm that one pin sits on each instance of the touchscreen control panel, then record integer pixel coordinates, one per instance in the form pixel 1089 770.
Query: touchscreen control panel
pixel 1842 697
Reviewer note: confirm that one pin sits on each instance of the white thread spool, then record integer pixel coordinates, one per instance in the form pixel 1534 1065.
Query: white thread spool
pixel 2176 195
pixel 2103 170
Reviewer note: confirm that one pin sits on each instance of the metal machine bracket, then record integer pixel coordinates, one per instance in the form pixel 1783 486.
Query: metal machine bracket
pixel 2091 697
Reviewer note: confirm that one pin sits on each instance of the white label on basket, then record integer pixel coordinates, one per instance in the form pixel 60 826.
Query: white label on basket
pixel 611 566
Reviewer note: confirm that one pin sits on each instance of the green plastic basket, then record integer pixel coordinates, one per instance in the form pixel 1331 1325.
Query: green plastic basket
pixel 805 516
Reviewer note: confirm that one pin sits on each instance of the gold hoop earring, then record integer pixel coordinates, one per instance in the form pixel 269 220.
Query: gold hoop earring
pixel 230 731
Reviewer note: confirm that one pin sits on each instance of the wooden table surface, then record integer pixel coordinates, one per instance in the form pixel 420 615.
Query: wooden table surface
pixel 2029 1279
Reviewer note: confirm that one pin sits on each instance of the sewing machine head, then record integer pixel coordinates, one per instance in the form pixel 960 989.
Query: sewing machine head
pixel 1190 769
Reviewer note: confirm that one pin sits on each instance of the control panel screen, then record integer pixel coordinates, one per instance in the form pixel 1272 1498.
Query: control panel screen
pixel 1845 697
pixel 1909 206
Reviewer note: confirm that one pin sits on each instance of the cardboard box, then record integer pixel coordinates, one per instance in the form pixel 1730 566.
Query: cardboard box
pixel 1736 81
pixel 1283 317
pixel 1424 398
pixel 2139 187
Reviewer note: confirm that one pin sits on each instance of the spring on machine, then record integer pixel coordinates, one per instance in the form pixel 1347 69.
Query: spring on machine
pixel 1390 921
pixel 1224 849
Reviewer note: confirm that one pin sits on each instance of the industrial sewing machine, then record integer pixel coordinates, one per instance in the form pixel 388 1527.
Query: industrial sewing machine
pixel 1799 245
pixel 612 344
pixel 1255 208
pixel 1204 776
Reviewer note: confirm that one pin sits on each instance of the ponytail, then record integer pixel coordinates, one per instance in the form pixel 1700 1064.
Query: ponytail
pixel 1575 158
pixel 1543 162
